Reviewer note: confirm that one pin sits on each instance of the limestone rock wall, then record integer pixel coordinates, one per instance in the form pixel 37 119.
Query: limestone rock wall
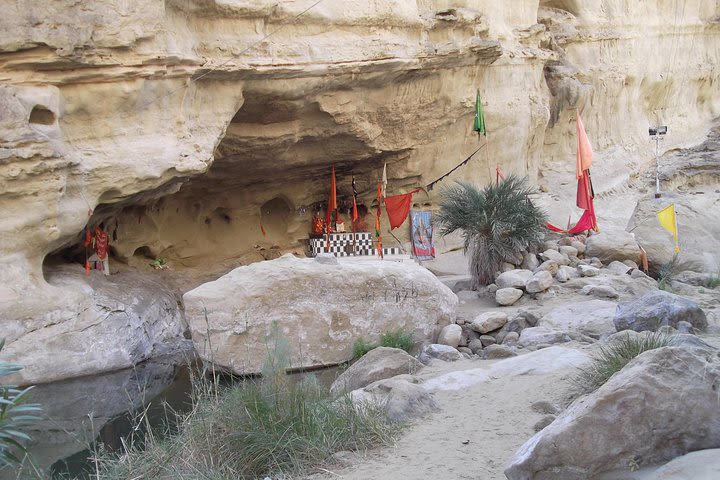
pixel 185 124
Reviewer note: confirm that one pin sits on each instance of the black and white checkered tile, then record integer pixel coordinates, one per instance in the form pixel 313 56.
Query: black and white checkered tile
pixel 341 245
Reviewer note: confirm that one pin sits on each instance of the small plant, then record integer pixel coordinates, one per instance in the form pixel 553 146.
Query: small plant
pixel 397 339
pixel 614 356
pixel 714 280
pixel 15 415
pixel 361 347
pixel 159 264
pixel 666 272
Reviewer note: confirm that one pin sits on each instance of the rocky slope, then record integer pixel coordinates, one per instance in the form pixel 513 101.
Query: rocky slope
pixel 186 124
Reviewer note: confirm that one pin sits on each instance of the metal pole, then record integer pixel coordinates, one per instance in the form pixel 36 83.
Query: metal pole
pixel 657 165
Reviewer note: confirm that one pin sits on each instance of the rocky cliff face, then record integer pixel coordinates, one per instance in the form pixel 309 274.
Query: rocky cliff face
pixel 186 124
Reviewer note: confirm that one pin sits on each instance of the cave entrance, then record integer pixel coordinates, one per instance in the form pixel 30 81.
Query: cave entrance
pixel 275 216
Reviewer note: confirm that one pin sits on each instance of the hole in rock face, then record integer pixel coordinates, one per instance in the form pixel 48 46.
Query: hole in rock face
pixel 42 116
pixel 144 252
pixel 275 215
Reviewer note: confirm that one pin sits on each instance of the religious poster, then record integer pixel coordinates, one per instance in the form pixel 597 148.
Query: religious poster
pixel 421 233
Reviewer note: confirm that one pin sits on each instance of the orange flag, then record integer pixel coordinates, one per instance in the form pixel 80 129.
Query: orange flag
pixel 584 149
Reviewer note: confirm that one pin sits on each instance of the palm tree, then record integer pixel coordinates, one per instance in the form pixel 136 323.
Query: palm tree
pixel 497 222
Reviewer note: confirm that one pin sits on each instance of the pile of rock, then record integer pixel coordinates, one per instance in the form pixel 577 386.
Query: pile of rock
pixel 565 259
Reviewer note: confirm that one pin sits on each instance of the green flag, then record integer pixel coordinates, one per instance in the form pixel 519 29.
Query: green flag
pixel 479 125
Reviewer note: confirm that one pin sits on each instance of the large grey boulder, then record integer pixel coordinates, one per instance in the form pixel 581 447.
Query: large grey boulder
pixel 613 244
pixel 378 364
pixel 402 397
pixel 700 465
pixel 593 318
pixel 555 256
pixel 663 404
pixel 698 226
pixel 656 309
pixel 513 279
pixel 320 308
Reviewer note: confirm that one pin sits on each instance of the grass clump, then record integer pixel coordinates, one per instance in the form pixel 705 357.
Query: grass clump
pixel 398 338
pixel 666 272
pixel 273 426
pixel 614 356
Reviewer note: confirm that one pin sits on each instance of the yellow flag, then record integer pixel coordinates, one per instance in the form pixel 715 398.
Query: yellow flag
pixel 669 222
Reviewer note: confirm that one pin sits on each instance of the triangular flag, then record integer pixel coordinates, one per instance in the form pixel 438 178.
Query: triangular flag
pixel 584 149
pixel 668 221
pixel 383 191
pixel 332 201
pixel 479 124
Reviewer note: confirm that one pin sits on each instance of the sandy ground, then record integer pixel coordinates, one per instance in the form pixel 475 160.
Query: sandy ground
pixel 475 432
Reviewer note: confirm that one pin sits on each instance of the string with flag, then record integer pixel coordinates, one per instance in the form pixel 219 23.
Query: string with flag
pixel 585 193
pixel 397 208
pixel 480 127
pixel 668 220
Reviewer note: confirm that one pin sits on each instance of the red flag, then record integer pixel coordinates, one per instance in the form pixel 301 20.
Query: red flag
pixel 332 201
pixel 584 149
pixel 398 207
pixel 262 229
pixel 87 267
pixel 377 221
pixel 354 212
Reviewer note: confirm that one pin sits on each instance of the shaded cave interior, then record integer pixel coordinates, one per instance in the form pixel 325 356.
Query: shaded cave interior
pixel 271 173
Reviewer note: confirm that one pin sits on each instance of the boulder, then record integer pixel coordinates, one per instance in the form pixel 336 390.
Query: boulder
pixel 539 282
pixel 378 364
pixel 619 268
pixel 403 397
pixel 699 465
pixel 320 308
pixel 489 321
pixel 487 340
pixel 511 339
pixel 116 322
pixel 656 309
pixel 450 335
pixel 476 345
pixel 588 271
pixel 699 230
pixel 569 251
pixel 555 256
pixel 565 273
pixel 613 244
pixel 530 262
pixel 498 351
pixel 513 279
pixel 548 265
pixel 441 352
pixel 601 291
pixel 579 246
pixel 508 296
pixel 593 318
pixel 534 336
pixel 661 405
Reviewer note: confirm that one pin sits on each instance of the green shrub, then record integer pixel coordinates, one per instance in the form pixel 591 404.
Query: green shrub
pixel 263 427
pixel 397 339
pixel 361 347
pixel 496 222
pixel 666 272
pixel 15 415
pixel 614 356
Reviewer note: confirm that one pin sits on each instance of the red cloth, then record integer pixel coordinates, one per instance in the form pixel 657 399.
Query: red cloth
pixel 101 243
pixel 398 207
pixel 377 220
pixel 332 201
pixel 354 212
pixel 586 222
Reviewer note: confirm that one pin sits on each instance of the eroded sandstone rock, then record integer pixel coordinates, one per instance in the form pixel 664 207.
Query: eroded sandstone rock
pixel 320 308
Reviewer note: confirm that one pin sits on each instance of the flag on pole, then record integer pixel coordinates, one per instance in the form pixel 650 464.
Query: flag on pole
pixel 377 221
pixel 332 207
pixel 384 181
pixel 354 210
pixel 479 125
pixel 668 220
